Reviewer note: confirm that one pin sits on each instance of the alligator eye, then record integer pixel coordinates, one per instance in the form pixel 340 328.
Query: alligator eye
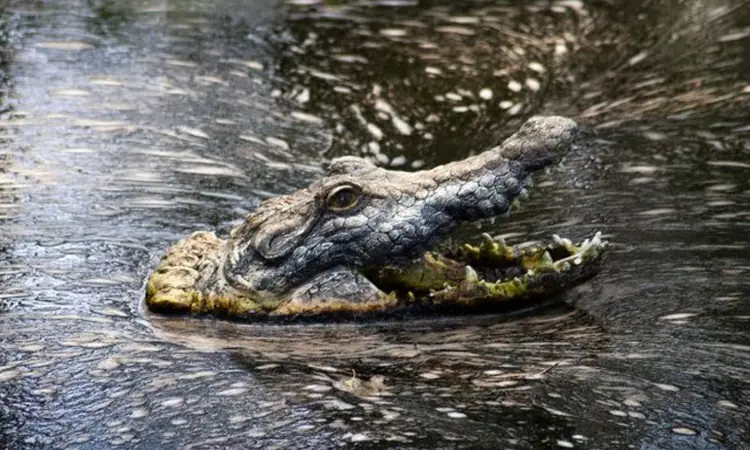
pixel 343 198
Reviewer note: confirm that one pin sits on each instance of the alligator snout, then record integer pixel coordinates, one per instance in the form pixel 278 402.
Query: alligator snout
pixel 540 141
pixel 485 185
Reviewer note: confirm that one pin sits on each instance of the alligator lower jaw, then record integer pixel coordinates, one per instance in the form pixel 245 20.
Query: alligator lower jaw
pixel 490 275
pixel 493 274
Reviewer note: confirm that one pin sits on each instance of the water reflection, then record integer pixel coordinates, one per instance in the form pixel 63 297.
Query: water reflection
pixel 130 124
pixel 409 84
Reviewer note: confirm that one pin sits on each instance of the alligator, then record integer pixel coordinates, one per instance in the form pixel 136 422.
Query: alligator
pixel 362 240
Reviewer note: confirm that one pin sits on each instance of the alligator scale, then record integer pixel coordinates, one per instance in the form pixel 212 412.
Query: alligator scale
pixel 361 240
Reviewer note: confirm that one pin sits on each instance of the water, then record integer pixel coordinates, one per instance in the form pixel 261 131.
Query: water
pixel 128 124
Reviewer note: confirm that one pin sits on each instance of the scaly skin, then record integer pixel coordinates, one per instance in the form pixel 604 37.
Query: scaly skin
pixel 307 252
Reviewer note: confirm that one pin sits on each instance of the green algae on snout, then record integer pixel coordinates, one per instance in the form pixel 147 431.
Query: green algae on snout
pixel 178 285
pixel 192 301
pixel 187 281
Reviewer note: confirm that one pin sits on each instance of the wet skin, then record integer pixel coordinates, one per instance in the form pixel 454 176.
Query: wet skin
pixel 332 247
pixel 128 125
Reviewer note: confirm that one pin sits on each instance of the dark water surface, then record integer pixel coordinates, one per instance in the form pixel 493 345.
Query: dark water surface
pixel 126 125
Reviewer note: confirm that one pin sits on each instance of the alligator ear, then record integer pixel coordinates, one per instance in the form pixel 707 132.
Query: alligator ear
pixel 277 238
pixel 350 165
pixel 278 225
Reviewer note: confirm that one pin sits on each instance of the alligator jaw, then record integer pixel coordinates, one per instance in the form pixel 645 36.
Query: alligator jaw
pixel 467 278
pixel 493 273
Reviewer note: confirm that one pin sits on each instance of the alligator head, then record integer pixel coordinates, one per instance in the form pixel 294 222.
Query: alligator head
pixel 334 246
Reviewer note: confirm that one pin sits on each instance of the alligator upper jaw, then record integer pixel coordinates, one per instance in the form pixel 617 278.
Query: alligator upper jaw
pixel 488 276
pixel 465 278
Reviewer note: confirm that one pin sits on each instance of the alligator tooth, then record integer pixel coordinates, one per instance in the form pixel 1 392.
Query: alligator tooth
pixel 489 245
pixel 547 259
pixel 564 243
pixel 470 274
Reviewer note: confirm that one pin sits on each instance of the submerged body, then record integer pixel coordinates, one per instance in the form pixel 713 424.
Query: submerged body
pixel 336 245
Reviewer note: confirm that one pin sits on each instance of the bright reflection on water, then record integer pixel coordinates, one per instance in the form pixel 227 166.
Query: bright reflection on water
pixel 128 124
